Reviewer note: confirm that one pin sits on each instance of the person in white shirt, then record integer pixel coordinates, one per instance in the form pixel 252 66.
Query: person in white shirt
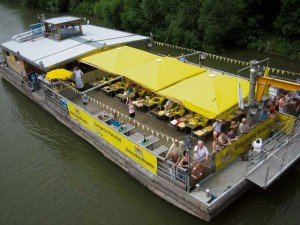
pixel 243 127
pixel 257 152
pixel 78 79
pixel 200 152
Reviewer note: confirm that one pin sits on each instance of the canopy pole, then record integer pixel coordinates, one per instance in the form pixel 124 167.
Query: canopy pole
pixel 101 85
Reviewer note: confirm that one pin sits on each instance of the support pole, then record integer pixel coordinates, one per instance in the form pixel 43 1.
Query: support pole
pixel 254 66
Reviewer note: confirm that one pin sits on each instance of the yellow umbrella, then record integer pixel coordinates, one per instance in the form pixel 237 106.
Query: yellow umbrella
pixel 59 74
pixel 207 94
pixel 118 58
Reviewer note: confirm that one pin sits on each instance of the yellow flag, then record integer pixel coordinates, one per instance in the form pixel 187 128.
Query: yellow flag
pixel 267 74
pixel 267 71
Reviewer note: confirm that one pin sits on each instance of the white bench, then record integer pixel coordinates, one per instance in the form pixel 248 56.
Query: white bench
pixel 160 149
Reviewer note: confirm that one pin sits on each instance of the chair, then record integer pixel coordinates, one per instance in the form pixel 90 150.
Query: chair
pixel 157 100
pixel 198 120
pixel 141 93
pixel 178 111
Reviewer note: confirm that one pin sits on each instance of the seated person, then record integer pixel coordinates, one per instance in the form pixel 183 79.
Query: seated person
pixel 114 121
pixel 216 145
pixel 175 152
pixel 168 105
pixel 200 152
pixel 184 161
pixel 232 135
pixel 223 139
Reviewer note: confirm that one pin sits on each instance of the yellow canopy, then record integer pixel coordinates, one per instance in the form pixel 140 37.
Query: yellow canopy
pixel 59 74
pixel 118 58
pixel 207 94
pixel 159 73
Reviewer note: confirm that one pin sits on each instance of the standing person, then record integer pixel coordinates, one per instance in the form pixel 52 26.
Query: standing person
pixel 200 152
pixel 33 81
pixel 78 79
pixel 175 151
pixel 257 152
pixel 217 126
pixel 131 109
pixel 216 145
pixel 243 127
pixel 281 104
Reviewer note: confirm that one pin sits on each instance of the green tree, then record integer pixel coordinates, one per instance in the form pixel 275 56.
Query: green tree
pixel 110 12
pixel 288 21
pixel 220 23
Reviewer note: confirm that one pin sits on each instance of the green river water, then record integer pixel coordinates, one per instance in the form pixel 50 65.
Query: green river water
pixel 48 175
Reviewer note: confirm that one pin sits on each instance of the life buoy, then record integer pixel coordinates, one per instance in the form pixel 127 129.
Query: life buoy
pixel 198 171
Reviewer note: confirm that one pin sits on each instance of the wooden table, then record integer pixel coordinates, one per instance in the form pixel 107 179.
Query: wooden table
pixel 138 103
pixel 137 137
pixel 204 132
pixel 109 90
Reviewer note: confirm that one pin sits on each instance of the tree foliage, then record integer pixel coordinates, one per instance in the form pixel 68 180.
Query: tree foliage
pixel 211 25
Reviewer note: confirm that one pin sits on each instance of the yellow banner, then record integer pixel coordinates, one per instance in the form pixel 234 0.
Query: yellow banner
pixel 116 139
pixel 287 123
pixel 243 144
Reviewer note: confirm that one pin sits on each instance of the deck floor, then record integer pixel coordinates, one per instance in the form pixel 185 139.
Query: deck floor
pixel 142 116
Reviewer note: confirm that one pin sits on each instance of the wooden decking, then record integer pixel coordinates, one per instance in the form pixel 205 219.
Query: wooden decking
pixel 142 117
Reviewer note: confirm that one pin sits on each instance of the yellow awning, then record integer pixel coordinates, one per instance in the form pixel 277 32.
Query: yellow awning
pixel 208 94
pixel 59 74
pixel 118 58
pixel 159 73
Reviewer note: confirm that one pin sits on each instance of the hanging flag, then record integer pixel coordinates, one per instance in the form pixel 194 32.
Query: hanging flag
pixel 267 71
pixel 240 96
pixel 267 74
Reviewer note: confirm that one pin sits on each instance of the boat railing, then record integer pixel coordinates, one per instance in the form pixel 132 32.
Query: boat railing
pixel 277 140
pixel 54 97
pixel 278 152
pixel 175 175
pixel 145 128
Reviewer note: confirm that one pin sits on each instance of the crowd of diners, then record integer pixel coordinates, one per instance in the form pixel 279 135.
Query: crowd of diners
pixel 223 135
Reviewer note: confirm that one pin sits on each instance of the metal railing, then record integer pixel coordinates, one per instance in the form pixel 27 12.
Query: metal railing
pixel 279 152
pixel 54 97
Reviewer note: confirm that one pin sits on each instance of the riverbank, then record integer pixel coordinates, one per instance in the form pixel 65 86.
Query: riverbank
pixel 257 26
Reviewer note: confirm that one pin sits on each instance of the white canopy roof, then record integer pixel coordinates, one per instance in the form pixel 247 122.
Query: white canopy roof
pixel 50 53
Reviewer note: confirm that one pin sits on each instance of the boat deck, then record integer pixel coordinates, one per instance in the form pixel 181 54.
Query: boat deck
pixel 142 117
pixel 217 183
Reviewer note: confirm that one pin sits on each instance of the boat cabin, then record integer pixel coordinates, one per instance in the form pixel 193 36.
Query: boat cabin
pixel 63 27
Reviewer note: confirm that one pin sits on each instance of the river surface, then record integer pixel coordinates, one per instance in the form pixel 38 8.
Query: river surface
pixel 48 175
